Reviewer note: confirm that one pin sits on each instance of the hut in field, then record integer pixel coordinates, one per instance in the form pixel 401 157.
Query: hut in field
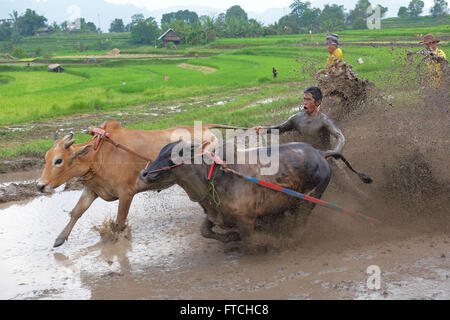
pixel 43 32
pixel 114 52
pixel 55 68
pixel 170 36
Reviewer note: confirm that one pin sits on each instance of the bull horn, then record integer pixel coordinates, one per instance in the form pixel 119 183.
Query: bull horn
pixel 56 136
pixel 69 140
pixel 68 137
pixel 68 144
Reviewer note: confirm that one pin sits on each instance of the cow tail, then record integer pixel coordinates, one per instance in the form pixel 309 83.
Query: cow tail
pixel 336 155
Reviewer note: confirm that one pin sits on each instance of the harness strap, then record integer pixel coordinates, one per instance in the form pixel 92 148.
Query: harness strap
pixel 59 175
pixel 211 170
pixel 100 135
pixel 166 168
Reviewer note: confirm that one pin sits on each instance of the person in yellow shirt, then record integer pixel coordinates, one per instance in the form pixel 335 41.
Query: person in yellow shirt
pixel 436 57
pixel 335 53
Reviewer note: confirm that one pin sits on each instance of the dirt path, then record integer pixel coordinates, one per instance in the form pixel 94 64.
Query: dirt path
pixel 203 69
pixel 123 56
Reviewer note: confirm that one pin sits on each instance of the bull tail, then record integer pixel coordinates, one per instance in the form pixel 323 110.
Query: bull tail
pixel 222 126
pixel 336 155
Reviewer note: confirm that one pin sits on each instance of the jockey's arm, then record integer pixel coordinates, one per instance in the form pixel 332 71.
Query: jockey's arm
pixel 285 126
pixel 335 132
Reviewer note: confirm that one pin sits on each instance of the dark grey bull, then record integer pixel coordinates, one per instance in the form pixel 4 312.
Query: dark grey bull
pixel 301 168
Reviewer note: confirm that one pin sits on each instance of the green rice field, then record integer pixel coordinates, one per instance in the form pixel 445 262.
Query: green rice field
pixel 32 94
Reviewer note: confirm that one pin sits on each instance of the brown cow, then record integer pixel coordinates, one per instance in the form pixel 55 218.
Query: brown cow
pixel 109 172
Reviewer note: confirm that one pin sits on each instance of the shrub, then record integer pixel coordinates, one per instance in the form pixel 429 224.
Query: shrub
pixel 19 53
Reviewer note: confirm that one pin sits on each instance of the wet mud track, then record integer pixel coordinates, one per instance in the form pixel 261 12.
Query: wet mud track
pixel 163 256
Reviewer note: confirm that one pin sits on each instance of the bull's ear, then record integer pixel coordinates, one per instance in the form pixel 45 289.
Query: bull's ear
pixel 85 150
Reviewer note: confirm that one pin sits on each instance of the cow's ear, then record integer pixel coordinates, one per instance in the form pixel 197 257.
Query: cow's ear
pixel 85 150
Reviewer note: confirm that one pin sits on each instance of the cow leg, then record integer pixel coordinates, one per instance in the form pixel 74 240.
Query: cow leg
pixel 206 231
pixel 122 214
pixel 305 208
pixel 246 227
pixel 85 201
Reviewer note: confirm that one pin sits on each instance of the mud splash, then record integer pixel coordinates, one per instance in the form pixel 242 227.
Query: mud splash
pixel 345 95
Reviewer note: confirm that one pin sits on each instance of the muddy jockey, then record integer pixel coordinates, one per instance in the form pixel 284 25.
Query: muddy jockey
pixel 317 128
pixel 335 53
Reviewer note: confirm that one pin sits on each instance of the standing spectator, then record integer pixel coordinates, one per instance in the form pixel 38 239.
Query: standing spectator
pixel 275 72
pixel 436 57
pixel 335 53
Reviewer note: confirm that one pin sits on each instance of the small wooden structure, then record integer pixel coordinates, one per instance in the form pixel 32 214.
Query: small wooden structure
pixel 43 31
pixel 114 52
pixel 170 36
pixel 55 68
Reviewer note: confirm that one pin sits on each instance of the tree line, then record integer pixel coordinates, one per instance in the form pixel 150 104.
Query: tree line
pixel 27 24
pixel 233 23
pixel 415 8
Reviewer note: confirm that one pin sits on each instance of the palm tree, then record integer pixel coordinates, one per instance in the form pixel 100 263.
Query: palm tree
pixel 208 27
pixel 299 7
pixel 15 17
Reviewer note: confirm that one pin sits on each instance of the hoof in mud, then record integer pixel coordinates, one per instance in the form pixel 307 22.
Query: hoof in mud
pixel 231 236
pixel 232 247
pixel 110 231
pixel 59 241
pixel 255 249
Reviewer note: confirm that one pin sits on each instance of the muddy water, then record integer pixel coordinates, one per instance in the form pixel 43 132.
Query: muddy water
pixel 163 256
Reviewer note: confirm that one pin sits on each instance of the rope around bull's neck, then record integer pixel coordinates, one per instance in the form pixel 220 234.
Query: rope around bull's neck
pixel 211 190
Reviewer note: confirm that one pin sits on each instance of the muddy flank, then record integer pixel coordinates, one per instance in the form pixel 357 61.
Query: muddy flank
pixel 403 146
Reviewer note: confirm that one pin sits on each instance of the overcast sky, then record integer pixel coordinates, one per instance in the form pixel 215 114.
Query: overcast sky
pixel 102 12
pixel 257 5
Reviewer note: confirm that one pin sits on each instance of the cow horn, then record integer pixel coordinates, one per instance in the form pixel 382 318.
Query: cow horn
pixel 56 135
pixel 68 144
pixel 68 137
pixel 69 140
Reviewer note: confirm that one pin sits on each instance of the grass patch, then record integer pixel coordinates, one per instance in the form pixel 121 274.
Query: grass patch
pixel 31 94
